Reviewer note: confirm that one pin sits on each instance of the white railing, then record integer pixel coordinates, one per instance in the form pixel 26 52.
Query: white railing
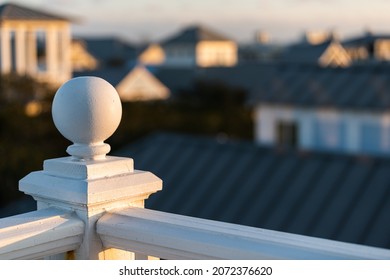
pixel 90 206
pixel 170 236
pixel 40 234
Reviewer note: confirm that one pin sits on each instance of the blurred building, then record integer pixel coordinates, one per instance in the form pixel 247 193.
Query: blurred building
pixel 369 47
pixel 102 52
pixel 194 46
pixel 314 108
pixel 35 43
pixel 260 49
pixel 153 54
pixel 306 106
pixel 329 53
pixel 81 59
pixel 136 83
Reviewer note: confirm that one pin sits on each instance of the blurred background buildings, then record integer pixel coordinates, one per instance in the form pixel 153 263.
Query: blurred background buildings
pixel 299 129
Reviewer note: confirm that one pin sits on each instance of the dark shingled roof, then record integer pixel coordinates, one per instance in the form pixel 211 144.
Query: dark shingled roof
pixel 108 49
pixel 113 75
pixel 193 35
pixel 360 87
pixel 305 53
pixel 16 12
pixel 367 40
pixel 176 79
pixel 331 196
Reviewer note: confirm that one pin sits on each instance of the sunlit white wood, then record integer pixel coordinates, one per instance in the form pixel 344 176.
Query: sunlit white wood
pixel 171 236
pixel 87 110
pixel 39 234
pixel 52 51
pixel 31 53
pixel 6 52
pixel 20 50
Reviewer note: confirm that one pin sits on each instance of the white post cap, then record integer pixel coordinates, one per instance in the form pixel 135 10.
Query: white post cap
pixel 87 110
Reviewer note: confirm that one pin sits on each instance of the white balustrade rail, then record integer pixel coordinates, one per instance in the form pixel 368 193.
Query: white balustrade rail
pixel 39 234
pixel 170 236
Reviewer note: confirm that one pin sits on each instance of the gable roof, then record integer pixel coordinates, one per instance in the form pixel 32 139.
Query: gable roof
pixel 131 81
pixel 328 53
pixel 111 75
pixel 366 40
pixel 324 195
pixel 140 84
pixel 304 52
pixel 194 35
pixel 107 49
pixel 176 79
pixel 17 12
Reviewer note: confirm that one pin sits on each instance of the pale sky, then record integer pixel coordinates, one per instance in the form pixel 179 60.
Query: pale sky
pixel 283 20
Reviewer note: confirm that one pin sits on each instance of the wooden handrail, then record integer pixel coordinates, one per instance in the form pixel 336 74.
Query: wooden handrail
pixel 171 236
pixel 39 234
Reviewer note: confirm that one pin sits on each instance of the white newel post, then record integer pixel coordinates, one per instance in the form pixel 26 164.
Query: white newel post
pixel 87 110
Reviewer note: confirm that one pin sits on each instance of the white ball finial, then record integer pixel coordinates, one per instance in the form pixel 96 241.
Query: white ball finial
pixel 87 110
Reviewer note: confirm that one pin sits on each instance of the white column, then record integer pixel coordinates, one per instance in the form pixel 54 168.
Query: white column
pixel 305 129
pixel 5 50
pixel 64 55
pixel 353 132
pixel 32 54
pixel 265 124
pixel 20 50
pixel 51 53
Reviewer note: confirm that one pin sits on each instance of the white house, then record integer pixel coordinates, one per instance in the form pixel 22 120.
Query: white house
pixel 199 46
pixel 343 110
pixel 34 43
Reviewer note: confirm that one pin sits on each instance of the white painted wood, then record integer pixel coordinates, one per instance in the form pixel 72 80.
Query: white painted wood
pixel 31 53
pixel 6 54
pixel 87 110
pixel 51 52
pixel 91 192
pixel 20 44
pixel 170 236
pixel 39 234
pixel 65 53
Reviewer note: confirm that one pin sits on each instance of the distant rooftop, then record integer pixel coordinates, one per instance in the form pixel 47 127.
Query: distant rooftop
pixel 108 48
pixel 195 34
pixel 359 87
pixel 17 12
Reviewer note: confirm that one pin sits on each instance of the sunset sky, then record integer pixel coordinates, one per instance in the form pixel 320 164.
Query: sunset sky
pixel 284 20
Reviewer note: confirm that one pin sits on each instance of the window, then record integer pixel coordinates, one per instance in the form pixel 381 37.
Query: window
pixel 371 138
pixel 330 133
pixel 287 133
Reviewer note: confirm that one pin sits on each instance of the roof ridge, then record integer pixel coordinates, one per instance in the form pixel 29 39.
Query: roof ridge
pixel 11 11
